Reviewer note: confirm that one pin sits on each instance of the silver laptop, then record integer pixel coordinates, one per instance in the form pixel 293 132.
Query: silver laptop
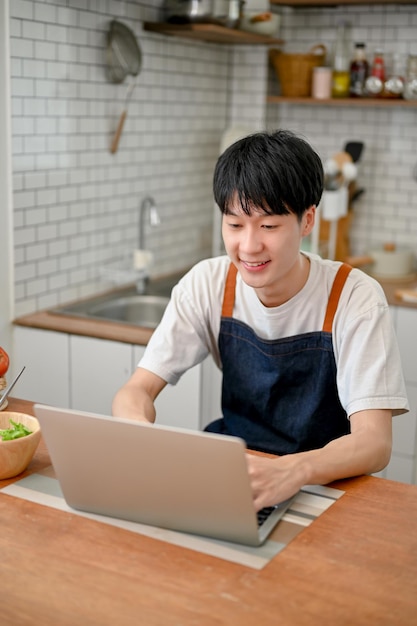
pixel 188 481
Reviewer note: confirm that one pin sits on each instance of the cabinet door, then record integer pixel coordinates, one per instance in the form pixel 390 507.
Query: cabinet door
pixel 403 462
pixel 98 369
pixel 406 328
pixel 178 405
pixel 44 353
pixel 211 392
pixel 404 427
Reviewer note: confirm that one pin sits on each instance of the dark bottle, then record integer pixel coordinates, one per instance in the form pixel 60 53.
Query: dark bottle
pixel 359 71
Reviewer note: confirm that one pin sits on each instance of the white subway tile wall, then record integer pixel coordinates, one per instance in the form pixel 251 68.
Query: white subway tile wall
pixel 387 170
pixel 76 205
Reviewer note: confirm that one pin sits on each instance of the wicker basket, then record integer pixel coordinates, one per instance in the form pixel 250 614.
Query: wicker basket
pixel 295 71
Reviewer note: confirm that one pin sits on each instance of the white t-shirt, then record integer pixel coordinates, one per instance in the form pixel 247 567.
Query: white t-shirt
pixel 369 372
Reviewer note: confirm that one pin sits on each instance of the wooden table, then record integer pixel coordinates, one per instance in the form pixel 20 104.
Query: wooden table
pixel 356 564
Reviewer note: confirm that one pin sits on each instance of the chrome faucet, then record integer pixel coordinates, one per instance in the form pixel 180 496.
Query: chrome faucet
pixel 148 205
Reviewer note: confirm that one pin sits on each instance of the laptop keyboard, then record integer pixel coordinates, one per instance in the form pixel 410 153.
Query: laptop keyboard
pixel 264 513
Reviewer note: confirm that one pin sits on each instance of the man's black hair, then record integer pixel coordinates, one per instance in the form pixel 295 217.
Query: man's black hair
pixel 277 172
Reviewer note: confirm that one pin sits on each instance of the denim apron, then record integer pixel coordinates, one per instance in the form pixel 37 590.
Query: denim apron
pixel 280 395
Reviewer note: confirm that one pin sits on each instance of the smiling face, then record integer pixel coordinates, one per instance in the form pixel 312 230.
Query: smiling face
pixel 267 186
pixel 266 250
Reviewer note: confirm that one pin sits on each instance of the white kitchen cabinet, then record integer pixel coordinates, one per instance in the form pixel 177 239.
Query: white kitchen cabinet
pixel 84 373
pixel 98 369
pixel 211 392
pixel 406 328
pixel 45 355
pixel 191 403
pixel 403 464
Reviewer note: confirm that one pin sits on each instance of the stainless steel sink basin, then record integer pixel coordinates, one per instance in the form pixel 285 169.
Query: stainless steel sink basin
pixel 131 308
pixel 125 306
pixel 144 311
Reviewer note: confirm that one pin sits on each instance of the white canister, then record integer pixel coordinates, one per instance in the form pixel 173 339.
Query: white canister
pixel 392 263
pixel 334 204
pixel 321 87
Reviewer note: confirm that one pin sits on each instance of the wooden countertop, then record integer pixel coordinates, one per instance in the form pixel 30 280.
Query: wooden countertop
pixel 355 564
pixel 126 333
pixel 392 287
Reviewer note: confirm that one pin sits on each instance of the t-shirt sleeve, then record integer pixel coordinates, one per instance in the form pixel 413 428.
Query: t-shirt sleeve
pixel 189 328
pixel 369 370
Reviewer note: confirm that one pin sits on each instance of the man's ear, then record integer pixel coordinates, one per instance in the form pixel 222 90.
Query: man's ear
pixel 308 220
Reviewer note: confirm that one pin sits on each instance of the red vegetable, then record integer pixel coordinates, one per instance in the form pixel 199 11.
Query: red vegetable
pixel 4 362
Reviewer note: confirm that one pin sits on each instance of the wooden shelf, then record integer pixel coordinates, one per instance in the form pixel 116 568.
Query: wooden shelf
pixel 358 102
pixel 330 3
pixel 212 33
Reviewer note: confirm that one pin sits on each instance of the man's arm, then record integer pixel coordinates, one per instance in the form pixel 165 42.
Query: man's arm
pixel 367 449
pixel 135 400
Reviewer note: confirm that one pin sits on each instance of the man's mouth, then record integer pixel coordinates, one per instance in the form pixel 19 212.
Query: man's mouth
pixel 254 265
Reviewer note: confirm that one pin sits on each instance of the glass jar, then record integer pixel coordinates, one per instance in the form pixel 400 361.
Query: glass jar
pixel 322 82
pixel 394 76
pixel 410 87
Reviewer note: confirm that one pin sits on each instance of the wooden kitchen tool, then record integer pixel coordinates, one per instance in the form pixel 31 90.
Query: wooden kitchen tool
pixel 342 244
pixel 124 57
pixel 119 129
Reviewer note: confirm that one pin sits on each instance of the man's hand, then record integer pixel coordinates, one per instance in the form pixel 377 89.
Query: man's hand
pixel 273 479
pixel 365 450
pixel 135 400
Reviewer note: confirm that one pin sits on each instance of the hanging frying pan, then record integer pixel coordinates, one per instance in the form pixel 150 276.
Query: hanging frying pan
pixel 124 57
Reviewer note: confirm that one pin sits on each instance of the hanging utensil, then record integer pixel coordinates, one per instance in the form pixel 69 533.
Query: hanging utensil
pixel 116 137
pixel 355 149
pixel 8 389
pixel 124 57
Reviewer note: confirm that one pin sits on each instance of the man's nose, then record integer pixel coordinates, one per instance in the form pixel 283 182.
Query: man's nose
pixel 251 240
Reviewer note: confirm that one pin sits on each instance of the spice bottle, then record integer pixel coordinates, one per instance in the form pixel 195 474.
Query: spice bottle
pixel 359 70
pixel 375 82
pixel 378 65
pixel 341 62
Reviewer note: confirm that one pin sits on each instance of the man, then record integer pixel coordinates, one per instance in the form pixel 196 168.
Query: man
pixel 311 368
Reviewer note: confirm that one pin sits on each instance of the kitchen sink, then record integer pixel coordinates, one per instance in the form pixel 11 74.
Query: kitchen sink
pixel 144 310
pixel 125 306
pixel 139 310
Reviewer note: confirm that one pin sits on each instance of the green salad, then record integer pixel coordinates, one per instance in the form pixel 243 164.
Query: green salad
pixel 14 432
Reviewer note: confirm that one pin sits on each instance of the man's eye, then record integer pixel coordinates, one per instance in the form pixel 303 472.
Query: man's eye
pixel 269 226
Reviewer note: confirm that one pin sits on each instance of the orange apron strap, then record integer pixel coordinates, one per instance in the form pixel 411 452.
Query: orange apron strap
pixel 229 292
pixel 338 284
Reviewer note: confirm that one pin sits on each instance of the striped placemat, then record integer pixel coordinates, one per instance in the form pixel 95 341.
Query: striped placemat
pixel 43 488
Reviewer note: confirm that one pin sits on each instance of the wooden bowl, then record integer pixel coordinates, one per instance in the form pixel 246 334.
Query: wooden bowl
pixel 15 455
